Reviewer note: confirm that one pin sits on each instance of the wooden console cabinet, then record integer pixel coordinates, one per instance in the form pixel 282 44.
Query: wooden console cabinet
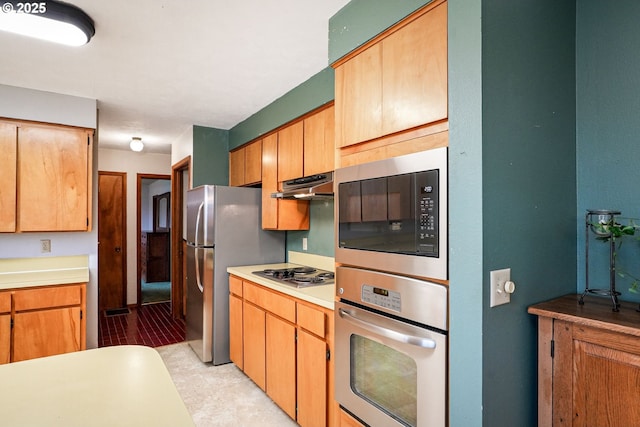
pixel 155 256
pixel 588 363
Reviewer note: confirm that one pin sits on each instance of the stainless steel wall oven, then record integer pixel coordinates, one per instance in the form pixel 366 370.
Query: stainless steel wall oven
pixel 391 323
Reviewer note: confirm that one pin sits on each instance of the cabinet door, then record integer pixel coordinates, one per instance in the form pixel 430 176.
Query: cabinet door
pixel 319 142
pixel 253 163
pixel 235 330
pixel 312 380
pixel 269 182
pixel 290 152
pixel 253 341
pixel 5 338
pixel 414 73
pixel 8 148
pixel 606 380
pixel 358 98
pixel 46 332
pixel 281 364
pixel 347 420
pixel 236 167
pixel 53 179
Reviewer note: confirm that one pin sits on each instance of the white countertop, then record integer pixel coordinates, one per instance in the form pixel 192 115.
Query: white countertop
pixel 26 272
pixel 323 295
pixel 111 386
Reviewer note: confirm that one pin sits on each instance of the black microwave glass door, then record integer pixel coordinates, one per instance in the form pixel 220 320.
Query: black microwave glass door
pixel 389 214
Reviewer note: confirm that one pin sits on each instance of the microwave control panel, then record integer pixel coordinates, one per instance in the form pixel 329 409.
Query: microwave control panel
pixel 381 297
pixel 427 206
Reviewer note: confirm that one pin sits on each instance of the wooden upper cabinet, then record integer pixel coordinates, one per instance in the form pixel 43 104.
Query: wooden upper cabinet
pixel 8 162
pixel 291 152
pixel 358 98
pixel 396 83
pixel 319 142
pixel 245 165
pixel 54 178
pixel 414 73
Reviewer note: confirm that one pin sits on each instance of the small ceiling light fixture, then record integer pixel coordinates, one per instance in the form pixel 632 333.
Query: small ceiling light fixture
pixel 136 144
pixel 51 20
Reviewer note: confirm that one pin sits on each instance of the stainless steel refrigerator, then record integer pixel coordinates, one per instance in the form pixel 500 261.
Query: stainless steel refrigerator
pixel 223 229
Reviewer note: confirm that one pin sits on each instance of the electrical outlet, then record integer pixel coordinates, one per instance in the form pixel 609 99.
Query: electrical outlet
pixel 45 246
pixel 304 244
pixel 500 295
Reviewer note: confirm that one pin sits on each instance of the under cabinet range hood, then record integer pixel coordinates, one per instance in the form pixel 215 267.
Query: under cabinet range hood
pixel 319 186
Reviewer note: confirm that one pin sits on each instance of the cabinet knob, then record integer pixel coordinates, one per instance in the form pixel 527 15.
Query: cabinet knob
pixel 117 249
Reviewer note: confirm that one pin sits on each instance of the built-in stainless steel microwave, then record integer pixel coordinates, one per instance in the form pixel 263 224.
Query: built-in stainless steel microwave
pixel 391 215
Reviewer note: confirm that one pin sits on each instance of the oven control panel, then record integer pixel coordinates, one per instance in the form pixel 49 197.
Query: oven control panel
pixel 381 297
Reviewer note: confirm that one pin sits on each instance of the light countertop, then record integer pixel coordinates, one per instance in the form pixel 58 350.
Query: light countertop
pixel 323 295
pixel 110 386
pixel 26 272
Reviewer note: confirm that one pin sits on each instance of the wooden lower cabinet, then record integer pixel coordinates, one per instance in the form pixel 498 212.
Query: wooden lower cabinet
pixel 286 346
pixel 347 420
pixel 42 321
pixel 588 363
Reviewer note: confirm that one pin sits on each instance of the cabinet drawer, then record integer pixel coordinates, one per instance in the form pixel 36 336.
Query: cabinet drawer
pixel 5 302
pixel 270 301
pixel 311 319
pixel 235 285
pixel 54 296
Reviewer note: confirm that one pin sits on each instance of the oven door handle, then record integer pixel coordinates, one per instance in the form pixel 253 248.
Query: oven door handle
pixel 386 332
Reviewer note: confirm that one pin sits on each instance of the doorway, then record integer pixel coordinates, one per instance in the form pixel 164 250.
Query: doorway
pixel 154 243
pixel 112 240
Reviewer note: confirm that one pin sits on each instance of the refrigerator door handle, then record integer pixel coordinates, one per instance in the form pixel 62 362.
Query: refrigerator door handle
pixel 198 218
pixel 196 253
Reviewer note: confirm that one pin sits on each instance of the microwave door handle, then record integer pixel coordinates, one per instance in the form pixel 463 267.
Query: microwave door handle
pixel 388 333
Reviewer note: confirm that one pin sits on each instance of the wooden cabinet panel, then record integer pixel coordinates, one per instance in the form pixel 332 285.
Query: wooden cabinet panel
pixel 236 167
pixel 235 330
pixel 358 98
pixel 46 332
pixel 235 285
pixel 347 420
pixel 253 163
pixel 319 142
pixel 290 152
pixel 270 301
pixel 5 302
pixel 8 162
pixel 53 178
pixel 281 363
pixel 414 73
pixel 5 338
pixel 47 297
pixel 312 380
pixel 311 319
pixel 253 342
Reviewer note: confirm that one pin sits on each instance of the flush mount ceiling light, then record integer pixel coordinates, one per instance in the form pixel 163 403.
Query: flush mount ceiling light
pixel 50 20
pixel 136 144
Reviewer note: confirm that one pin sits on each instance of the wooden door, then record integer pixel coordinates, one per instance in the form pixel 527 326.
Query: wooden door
pixel 269 182
pixel 312 380
pixel 253 163
pixel 281 364
pixel 8 161
pixel 5 327
pixel 112 240
pixel 236 167
pixel 53 178
pixel 253 342
pixel 235 330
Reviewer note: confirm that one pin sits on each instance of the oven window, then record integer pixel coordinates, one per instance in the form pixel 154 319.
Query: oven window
pixel 385 377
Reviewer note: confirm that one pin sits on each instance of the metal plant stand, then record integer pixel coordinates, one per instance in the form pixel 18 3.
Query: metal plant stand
pixel 601 217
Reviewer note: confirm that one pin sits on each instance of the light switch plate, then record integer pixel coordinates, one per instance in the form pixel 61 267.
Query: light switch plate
pixel 497 280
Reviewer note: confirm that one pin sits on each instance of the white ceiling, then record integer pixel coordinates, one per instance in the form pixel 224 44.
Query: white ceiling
pixel 157 67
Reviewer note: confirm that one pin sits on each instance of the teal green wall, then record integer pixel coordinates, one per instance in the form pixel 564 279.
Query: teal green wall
pixel 528 189
pixel 311 94
pixel 320 239
pixel 210 160
pixel 608 78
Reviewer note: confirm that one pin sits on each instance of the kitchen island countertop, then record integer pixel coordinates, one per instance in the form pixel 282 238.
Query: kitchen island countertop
pixel 111 386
